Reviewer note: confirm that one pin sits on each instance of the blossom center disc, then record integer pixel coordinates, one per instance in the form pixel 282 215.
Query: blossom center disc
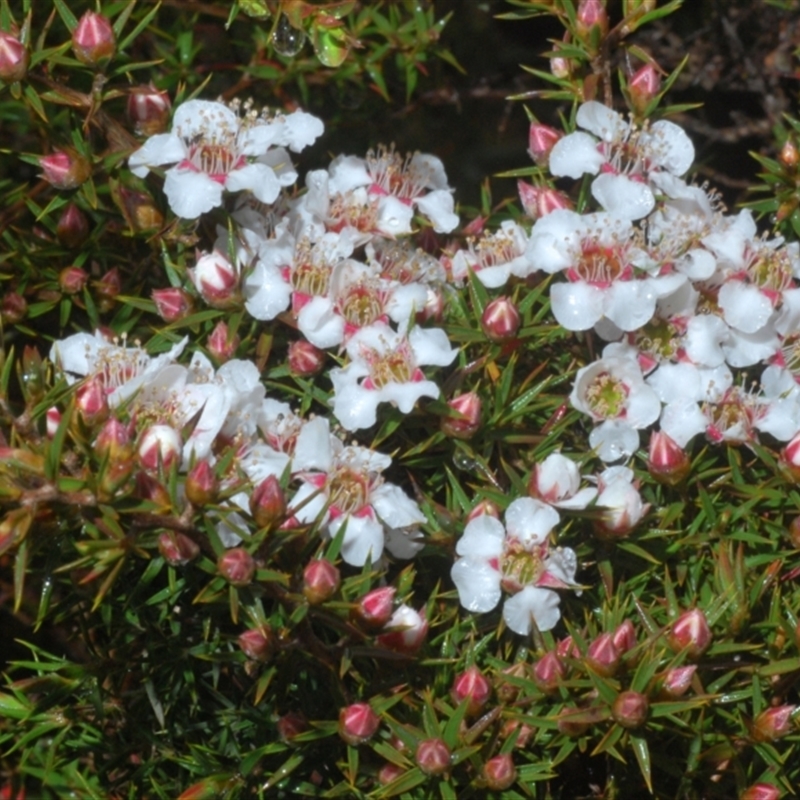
pixel 347 211
pixel 214 159
pixel 348 490
pixel 391 174
pixel 393 367
pixel 731 418
pixel 599 266
pixel 771 272
pixel 660 339
pixel 606 396
pixel 311 277
pixel 520 567
pixel 119 364
pixel 361 305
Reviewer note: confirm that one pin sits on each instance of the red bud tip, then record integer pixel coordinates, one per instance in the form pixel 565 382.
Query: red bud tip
pixel 548 672
pixel 603 655
pixel 221 344
pixel 321 581
pixel 93 41
pixel 468 407
pixel 690 632
pixel 177 548
pixel 201 484
pixel 644 85
pixel 761 791
pixel 65 169
pixel 624 637
pixel 304 359
pixel 667 462
pixel 72 228
pixel 358 723
pixel 291 725
pixel 472 685
pixel 375 608
pixel 159 446
pixel 500 320
pixel 237 566
pixel 258 644
pixel 172 304
pixel 216 279
pixel 405 631
pixel 499 772
pixel 433 757
pixel 773 723
pixel 268 503
pixel 630 709
pixel 148 110
pixel 14 58
pixel 72 280
pixel 541 140
pixel 677 681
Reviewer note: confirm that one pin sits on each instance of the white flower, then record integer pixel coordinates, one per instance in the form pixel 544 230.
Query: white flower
pixel 496 256
pixel 515 559
pixel 214 148
pixel 557 481
pixel 621 500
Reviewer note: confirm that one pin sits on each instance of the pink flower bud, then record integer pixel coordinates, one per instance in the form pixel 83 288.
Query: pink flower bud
pixel 389 772
pixel 773 723
pixel 500 320
pixel 53 420
pixel 508 690
pixel 14 58
pixel 291 725
pixel 268 503
pixel 572 722
pixel 433 310
pixel 499 772
pixel 591 15
pixel 172 304
pixel 237 566
pixel 148 110
pixel 72 228
pixel 149 488
pixel 433 756
pixel 216 279
pixel 65 169
pixel 761 791
pixel 72 280
pixel 789 155
pixel 374 609
pixel 603 655
pixel 108 288
pixel 630 709
pixel 221 344
pixel 541 140
pixel 405 631
pixel 667 461
pixel 321 581
pixel 472 685
pixel 790 459
pixel 690 632
pixel 548 672
pixel 677 682
pixel 644 85
pixel 258 644
pixel 93 41
pixel 304 359
pixel 138 209
pixel 13 308
pixel 485 507
pixel 91 402
pixel 115 448
pixel 566 648
pixel 358 723
pixel 624 637
pixel 539 201
pixel 468 407
pixel 159 446
pixel 202 485
pixel 177 548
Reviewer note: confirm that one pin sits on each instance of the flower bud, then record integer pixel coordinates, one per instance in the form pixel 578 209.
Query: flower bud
pixel 114 446
pixel 172 304
pixel 72 228
pixel 13 308
pixel 572 722
pixel 433 756
pixel 237 566
pixel 91 401
pixel 258 644
pixel 291 725
pixel 375 608
pixel 52 421
pixel 548 672
pixel 624 637
pixel 149 488
pixel 644 86
pixel 93 40
pixel 667 461
pixel 541 140
pixel 177 548
pixel 500 320
pixel 773 723
pixel 499 772
pixel 485 507
pixel 304 359
pixel 789 155
pixel 72 280
pixel 690 632
pixel 148 110
pixel 677 682
pixel 107 289
pixel 138 209
pixel 65 169
pixel 630 709
pixel 761 791
pixel 14 58
pixel 591 16
pixel 405 631
pixel 159 446
pixel 603 656
pixel 221 344
pixel 358 723
pixel 507 690
pixel 389 772
pixel 321 580
pixel 790 459
pixel 539 201
pixel 202 485
pixel 466 425
pixel 472 685
pixel 566 648
pixel 268 503
pixel 216 279
pixel 433 310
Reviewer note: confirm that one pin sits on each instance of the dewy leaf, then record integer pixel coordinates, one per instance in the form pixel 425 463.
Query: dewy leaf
pixel 639 744
pixel 330 45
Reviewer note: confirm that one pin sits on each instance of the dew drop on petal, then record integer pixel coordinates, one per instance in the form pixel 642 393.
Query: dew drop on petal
pixel 287 40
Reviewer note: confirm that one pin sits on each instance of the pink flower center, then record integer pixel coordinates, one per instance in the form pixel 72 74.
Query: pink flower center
pixel 348 490
pixel 600 266
pixel 392 174
pixel 520 567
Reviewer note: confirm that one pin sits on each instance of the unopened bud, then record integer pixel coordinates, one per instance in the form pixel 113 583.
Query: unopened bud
pixel 114 446
pixel 375 608
pixel 13 308
pixel 499 772
pixel 630 709
pixel 14 58
pixel 541 140
pixel 202 485
pixel 624 637
pixel 507 690
pixel 65 169
pixel 500 320
pixel 539 201
pixel 548 672
pixel 358 723
pixel 761 791
pixel 471 685
pixel 603 655
pixel 139 210
pixel 258 644
pixel 591 18
pixel 790 460
pixel 291 725
pixel 405 631
pixel 433 757
pixel 172 304
pixel 321 581
pixel 389 772
pixel 572 722
pixel 53 421
pixel 789 155
pixel 773 723
pixel 148 110
pixel 667 461
pixel 177 548
pixel 107 289
pixel 268 503
pixel 72 280
pixel 677 682
pixel 93 40
pixel 221 344
pixel 304 359
pixel 468 407
pixel 237 566
pixel 644 86
pixel 91 401
pixel 159 446
pixel 72 228
pixel 690 632
pixel 216 279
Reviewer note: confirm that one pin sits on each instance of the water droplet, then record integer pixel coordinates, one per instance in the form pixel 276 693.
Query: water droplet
pixel 286 40
pixel 463 461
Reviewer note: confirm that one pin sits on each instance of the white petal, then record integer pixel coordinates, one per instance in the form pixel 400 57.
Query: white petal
pixel 267 293
pixel 630 304
pixel 532 604
pixel 437 206
pixel 258 178
pixel 483 538
pixel 312 449
pixel 530 521
pixel 163 148
pixel 395 507
pixel 363 539
pixel 575 155
pixel 623 197
pixel 745 307
pixel 431 346
pixel 576 306
pixel 683 420
pixel 191 193
pixel 668 147
pixel 320 324
pixel 602 121
pixel 478 584
pixel 614 439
